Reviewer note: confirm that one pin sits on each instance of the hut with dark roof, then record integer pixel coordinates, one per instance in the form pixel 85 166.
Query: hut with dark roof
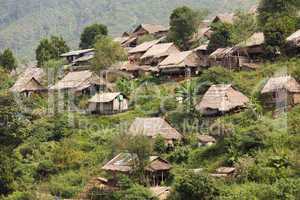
pixel 71 56
pixel 30 81
pixel 157 53
pixel 157 169
pixel 81 82
pixel 182 63
pixel 220 99
pixel 153 127
pixel 281 91
pixel 108 103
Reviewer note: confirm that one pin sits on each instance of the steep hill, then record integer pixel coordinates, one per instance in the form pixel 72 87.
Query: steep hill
pixel 24 23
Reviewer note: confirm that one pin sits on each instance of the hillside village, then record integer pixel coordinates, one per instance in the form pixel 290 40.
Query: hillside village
pixel 212 114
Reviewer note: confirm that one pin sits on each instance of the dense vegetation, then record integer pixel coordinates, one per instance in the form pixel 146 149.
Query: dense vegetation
pixel 23 24
pixel 48 151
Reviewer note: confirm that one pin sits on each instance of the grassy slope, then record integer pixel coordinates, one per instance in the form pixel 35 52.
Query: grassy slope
pixel 23 24
pixel 84 148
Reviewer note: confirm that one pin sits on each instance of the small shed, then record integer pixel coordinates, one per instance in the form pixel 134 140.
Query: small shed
pixel 151 29
pixel 281 91
pixel 206 140
pixel 81 82
pixel 253 47
pixel 157 53
pixel 30 81
pixel 220 99
pixel 153 127
pixel 224 172
pixel 203 54
pixel 73 55
pixel 224 57
pixel 108 103
pixel 182 63
pixel 161 193
pixel 157 169
pixel 138 51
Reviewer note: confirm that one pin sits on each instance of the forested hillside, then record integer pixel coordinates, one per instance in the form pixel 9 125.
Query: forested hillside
pixel 24 23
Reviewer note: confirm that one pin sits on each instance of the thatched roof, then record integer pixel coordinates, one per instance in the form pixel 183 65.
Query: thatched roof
pixel 124 41
pixel 159 50
pixel 124 162
pixel 284 82
pixel 78 81
pixel 152 28
pixel 255 40
pixel 181 59
pixel 29 80
pixel 143 47
pixel 206 139
pixel 224 18
pixel 105 97
pixel 225 170
pixel 222 98
pixel 132 67
pixel 295 38
pixel 162 193
pixel 203 47
pixel 84 58
pixel 76 52
pixel 222 53
pixel 152 127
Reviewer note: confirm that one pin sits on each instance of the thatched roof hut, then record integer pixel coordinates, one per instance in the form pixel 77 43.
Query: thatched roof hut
pixel 152 29
pixel 160 50
pixel 294 39
pixel 31 80
pixel 162 193
pixel 224 172
pixel 224 57
pixel 179 62
pixel 142 48
pixel 126 41
pixel 153 127
pixel 108 103
pixel 287 83
pixel 253 46
pixel 220 99
pixel 124 163
pixel 281 92
pixel 79 81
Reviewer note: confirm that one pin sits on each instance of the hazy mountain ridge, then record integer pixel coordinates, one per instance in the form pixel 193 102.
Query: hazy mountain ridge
pixel 24 23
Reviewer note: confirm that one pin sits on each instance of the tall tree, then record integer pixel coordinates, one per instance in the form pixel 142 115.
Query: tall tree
pixel 184 23
pixel 221 36
pixel 90 35
pixel 7 60
pixel 107 53
pixel 49 49
pixel 277 19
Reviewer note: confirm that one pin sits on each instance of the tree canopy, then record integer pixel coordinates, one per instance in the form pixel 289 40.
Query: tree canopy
pixel 7 60
pixel 107 53
pixel 50 49
pixel 278 19
pixel 184 23
pixel 90 34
